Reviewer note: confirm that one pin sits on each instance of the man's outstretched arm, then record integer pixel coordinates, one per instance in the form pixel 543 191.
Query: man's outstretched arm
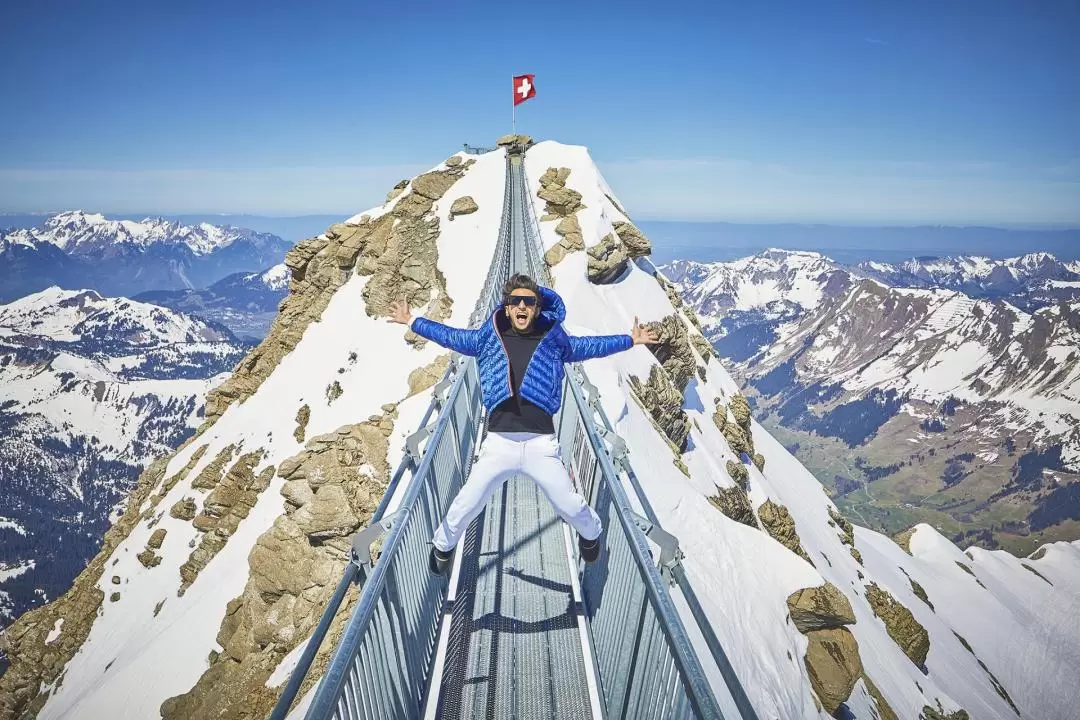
pixel 595 346
pixel 466 342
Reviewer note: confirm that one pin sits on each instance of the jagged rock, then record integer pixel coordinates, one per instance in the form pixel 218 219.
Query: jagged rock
pixel 210 476
pixel 856 554
pixel 636 244
pixel 929 713
pixel 184 510
pixel 663 401
pixel 156 538
pixel 513 140
pixel 720 416
pixel 333 391
pixel 778 522
pixel 920 593
pixel 673 350
pixel 568 226
pixel 1037 555
pixel 734 503
pixel 423 378
pixel 759 462
pixel 737 439
pixel 170 483
pixel 393 194
pixel 433 185
pixel 705 350
pixel 740 410
pixel 302 417
pixel 901 625
pixel 464 205
pixel 115 597
pixel 885 711
pixel 670 289
pixel 607 261
pixel 558 251
pixel 115 579
pixel 903 539
pixel 328 515
pixel 848 530
pixel 833 663
pixel 820 608
pixel 148 558
pixel 453 161
pixel 561 200
pixel 738 473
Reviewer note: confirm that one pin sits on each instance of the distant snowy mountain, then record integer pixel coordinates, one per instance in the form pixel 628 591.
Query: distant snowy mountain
pixel 122 257
pixel 1029 281
pixel 228 549
pixel 246 303
pixel 91 390
pixel 953 407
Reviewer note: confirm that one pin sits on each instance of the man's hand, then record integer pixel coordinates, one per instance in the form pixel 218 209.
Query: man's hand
pixel 399 312
pixel 644 335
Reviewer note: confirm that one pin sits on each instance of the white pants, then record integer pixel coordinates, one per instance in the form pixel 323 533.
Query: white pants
pixel 502 456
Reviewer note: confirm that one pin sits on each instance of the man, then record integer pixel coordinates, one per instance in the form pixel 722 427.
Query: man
pixel 520 354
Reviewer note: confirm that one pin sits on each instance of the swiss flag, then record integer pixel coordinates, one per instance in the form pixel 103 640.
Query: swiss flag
pixel 523 88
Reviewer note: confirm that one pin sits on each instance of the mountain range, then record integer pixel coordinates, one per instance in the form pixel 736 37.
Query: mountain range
pixel 218 567
pixel 77 250
pixel 92 389
pixel 917 391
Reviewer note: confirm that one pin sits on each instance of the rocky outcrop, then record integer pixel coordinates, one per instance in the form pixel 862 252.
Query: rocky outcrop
pixel 901 625
pixel 833 664
pixel 302 417
pixel 737 439
pixel 505 140
pixel 720 416
pixel 738 473
pixel 734 503
pixel 562 204
pixel 903 539
pixel 636 244
pixel 778 522
pixel 929 713
pixel 464 205
pixel 663 401
pixel 847 530
pixel 673 350
pixel 703 347
pixel 669 289
pixel 920 593
pixel 224 509
pixel 35 664
pixel 396 191
pixel 424 378
pixel 820 608
pixel 607 260
pixel 397 251
pixel 331 489
pixel 186 509
pixel 759 461
pixel 333 392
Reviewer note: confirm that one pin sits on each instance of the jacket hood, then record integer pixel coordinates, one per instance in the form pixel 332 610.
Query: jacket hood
pixel 552 311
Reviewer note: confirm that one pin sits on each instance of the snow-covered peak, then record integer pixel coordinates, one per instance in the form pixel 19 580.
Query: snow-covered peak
pixel 74 315
pixel 276 278
pixel 972 272
pixel 82 233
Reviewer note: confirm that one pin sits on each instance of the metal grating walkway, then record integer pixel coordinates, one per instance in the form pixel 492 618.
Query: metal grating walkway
pixel 514 647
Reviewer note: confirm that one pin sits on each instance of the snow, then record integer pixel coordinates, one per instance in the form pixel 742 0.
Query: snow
pixel 281 673
pixel 741 575
pixel 9 572
pixel 277 277
pixel 9 524
pixel 55 632
pixel 127 634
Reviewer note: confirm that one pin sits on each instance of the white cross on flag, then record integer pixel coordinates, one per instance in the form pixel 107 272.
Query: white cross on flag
pixel 523 88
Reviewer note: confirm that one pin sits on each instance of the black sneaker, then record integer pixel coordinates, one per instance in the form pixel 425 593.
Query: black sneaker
pixel 589 549
pixel 438 560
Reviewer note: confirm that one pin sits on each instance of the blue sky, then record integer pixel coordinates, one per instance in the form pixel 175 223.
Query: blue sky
pixel 884 112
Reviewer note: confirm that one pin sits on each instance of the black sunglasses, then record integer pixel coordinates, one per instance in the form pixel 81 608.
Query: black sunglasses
pixel 515 300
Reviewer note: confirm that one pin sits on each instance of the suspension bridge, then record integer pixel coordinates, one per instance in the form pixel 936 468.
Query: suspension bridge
pixel 520 628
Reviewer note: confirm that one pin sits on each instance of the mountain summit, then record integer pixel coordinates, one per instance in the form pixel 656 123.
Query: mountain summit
pixel 210 582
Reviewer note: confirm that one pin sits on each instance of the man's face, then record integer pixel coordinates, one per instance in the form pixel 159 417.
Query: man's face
pixel 522 309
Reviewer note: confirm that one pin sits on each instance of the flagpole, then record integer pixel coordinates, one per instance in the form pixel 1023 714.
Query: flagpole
pixel 513 114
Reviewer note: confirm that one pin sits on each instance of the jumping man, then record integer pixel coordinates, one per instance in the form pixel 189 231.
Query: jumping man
pixel 520 354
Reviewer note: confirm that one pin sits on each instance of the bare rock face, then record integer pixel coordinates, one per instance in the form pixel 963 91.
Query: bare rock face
pixel 740 410
pixel 302 417
pixel 884 709
pixel 737 439
pixel 720 416
pixel 833 663
pixel 778 522
pixel 846 528
pixel 759 462
pixel 901 625
pixel 674 351
pixel 186 509
pixel 703 347
pixel 424 378
pixel 331 489
pixel 903 539
pixel 636 244
pixel 561 200
pixel 738 473
pixel 464 205
pixel 663 401
pixel 607 261
pixel 820 608
pixel 514 140
pixel 398 251
pixel 734 503
pixel 156 538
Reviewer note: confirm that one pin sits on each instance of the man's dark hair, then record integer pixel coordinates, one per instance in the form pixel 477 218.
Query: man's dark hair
pixel 519 282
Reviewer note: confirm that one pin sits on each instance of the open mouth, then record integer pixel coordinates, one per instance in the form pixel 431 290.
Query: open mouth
pixel 521 315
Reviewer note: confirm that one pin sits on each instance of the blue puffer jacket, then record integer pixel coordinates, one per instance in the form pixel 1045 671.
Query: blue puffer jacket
pixel 542 384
